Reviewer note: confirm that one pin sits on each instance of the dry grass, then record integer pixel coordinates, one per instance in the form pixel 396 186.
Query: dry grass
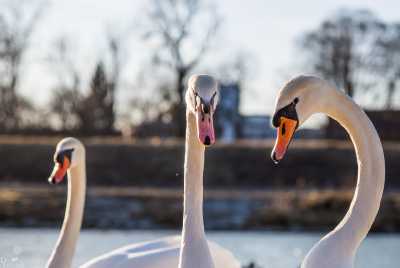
pixel 132 207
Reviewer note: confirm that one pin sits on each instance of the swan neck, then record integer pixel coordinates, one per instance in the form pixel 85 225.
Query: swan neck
pixel 371 171
pixel 66 243
pixel 194 247
pixel 193 181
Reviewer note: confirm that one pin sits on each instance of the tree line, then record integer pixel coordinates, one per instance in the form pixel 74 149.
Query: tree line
pixel 171 25
pixel 358 52
pixel 354 49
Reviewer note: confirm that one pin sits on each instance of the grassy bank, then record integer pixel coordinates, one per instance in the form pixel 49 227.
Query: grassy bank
pixel 132 207
pixel 159 163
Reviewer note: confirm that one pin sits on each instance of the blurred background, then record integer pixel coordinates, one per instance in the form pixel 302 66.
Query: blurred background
pixel 113 73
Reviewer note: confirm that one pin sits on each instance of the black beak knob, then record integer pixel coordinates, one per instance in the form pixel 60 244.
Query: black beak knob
pixel 205 108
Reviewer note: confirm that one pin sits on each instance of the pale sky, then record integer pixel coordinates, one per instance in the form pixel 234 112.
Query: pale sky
pixel 267 29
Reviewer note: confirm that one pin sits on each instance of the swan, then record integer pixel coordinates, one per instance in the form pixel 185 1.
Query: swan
pixel 191 250
pixel 296 102
pixel 69 158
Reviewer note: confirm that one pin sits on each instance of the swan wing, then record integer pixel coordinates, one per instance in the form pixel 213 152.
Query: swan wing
pixel 155 253
pixel 156 258
pixel 222 257
pixel 161 253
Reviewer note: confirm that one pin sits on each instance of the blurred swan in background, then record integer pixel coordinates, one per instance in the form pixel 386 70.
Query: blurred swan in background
pixel 193 250
pixel 69 158
pixel 297 101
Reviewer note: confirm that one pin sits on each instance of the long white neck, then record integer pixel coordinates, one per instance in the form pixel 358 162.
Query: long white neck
pixel 65 248
pixel 194 248
pixel 344 240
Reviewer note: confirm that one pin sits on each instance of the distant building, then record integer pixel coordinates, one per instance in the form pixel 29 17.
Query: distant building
pixel 256 127
pixel 231 125
pixel 227 116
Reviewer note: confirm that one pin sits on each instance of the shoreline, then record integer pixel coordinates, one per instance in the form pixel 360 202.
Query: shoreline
pixel 151 208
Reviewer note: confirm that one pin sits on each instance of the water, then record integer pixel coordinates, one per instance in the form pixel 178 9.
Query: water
pixel 23 248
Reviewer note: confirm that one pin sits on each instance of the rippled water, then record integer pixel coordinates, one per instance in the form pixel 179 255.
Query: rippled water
pixel 31 247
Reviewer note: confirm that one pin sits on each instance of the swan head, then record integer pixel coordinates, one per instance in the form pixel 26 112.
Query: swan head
pixel 296 102
pixel 69 153
pixel 202 98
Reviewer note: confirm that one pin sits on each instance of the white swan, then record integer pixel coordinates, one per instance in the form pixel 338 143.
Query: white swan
pixel 193 250
pixel 69 157
pixel 297 101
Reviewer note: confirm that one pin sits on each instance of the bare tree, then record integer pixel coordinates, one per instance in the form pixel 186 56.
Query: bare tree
pixel 238 69
pixel 66 97
pixel 18 19
pixel 62 63
pixel 105 83
pixel 340 49
pixel 146 109
pixel 93 113
pixel 113 71
pixel 65 103
pixel 178 25
pixel 114 46
pixel 388 61
pixel 96 111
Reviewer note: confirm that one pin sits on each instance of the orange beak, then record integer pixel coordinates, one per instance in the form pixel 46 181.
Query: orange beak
pixel 59 171
pixel 285 132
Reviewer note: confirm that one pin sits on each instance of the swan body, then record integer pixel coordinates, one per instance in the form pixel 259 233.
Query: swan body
pixel 191 250
pixel 70 158
pixel 297 101
pixel 157 253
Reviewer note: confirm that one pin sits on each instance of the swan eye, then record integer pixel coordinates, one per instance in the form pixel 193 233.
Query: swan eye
pixel 59 158
pixel 296 100
pixel 61 155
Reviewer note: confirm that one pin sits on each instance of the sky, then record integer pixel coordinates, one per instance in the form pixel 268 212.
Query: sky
pixel 266 29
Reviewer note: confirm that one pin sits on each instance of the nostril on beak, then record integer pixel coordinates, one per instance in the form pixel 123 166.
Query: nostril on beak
pixel 207 140
pixel 283 129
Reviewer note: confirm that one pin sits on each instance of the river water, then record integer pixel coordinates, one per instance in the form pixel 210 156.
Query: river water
pixel 23 248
